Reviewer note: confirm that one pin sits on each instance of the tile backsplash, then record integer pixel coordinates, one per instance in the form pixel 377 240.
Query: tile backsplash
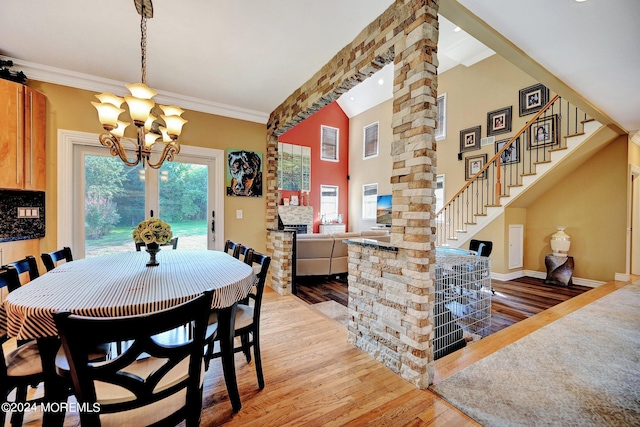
pixel 22 215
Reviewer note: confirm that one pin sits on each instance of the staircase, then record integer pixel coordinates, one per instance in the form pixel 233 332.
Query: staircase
pixel 553 143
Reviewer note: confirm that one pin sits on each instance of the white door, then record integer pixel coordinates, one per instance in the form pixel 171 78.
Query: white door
pixel 108 199
pixel 516 252
pixel 635 225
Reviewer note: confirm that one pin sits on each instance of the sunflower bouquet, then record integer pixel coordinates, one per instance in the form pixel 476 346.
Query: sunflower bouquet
pixel 152 230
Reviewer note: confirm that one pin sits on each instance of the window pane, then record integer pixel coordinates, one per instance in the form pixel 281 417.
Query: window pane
pixel 329 143
pixel 371 140
pixel 113 204
pixel 329 202
pixel 183 202
pixel 369 198
pixel 441 120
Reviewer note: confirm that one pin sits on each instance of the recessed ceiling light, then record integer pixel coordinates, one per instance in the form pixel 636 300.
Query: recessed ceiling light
pixel 457 29
pixel 380 82
pixel 352 98
pixel 579 1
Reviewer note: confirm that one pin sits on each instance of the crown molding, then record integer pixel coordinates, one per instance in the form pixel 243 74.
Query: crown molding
pixel 636 138
pixel 59 76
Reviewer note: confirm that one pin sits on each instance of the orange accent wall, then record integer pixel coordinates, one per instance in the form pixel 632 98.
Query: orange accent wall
pixel 307 133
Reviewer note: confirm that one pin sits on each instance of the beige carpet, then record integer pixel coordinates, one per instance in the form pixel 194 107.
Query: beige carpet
pixel 334 310
pixel 582 370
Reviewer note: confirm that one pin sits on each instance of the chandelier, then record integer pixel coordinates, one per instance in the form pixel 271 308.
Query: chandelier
pixel 152 136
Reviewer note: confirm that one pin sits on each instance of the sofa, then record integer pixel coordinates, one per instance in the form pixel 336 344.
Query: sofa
pixel 326 254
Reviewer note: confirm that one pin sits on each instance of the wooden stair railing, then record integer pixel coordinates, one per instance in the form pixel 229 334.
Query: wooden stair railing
pixel 517 158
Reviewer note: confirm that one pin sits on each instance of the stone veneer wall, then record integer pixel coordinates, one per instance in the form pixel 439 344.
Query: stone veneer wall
pixel 391 309
pixel 297 215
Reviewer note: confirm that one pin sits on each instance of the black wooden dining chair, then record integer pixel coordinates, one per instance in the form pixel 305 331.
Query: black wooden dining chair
pixel 151 382
pixel 173 243
pixel 51 259
pixel 247 324
pixel 21 367
pixel 26 265
pixel 232 248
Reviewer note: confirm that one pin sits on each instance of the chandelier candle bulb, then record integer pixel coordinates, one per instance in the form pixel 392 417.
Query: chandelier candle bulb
pixel 109 98
pixel 172 110
pixel 119 129
pixel 174 125
pixel 108 114
pixel 141 91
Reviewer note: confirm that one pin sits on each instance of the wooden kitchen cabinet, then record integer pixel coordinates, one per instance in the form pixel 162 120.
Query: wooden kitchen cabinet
pixel 22 137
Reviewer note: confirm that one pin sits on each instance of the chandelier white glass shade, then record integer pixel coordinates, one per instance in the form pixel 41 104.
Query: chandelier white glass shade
pixel 152 137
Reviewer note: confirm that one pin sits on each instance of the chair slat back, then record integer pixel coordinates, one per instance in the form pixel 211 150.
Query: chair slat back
pixel 27 265
pixel 79 334
pixel 51 259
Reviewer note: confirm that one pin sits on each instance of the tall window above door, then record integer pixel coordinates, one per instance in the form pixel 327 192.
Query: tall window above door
pixel 371 146
pixel 441 119
pixel 329 143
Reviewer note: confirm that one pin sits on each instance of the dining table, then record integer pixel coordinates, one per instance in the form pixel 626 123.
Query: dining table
pixel 122 284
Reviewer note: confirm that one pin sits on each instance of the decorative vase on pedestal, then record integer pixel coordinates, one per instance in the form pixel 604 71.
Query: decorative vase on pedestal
pixel 560 242
pixel 153 249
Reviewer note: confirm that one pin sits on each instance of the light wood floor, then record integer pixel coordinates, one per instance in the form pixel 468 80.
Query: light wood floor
pixel 315 378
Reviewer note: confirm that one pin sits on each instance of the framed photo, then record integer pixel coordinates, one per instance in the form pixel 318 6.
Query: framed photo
pixel 243 173
pixel 543 132
pixel 499 121
pixel 533 98
pixel 470 139
pixel 294 200
pixel 473 164
pixel 511 154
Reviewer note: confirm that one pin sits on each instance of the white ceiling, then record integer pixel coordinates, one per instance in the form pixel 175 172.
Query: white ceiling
pixel 244 58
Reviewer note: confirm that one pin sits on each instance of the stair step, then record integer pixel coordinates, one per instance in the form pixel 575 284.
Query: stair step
pixel 573 134
pixel 461 231
pixel 470 223
pixel 492 206
pixel 541 162
pixel 557 149
pixel 528 174
pixel 514 185
pixel 587 121
pixel 480 214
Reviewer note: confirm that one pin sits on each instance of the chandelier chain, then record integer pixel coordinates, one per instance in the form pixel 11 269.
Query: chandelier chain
pixel 143 48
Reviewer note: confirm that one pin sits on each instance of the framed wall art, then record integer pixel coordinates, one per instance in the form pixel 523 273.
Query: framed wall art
pixel 470 139
pixel 511 154
pixel 243 173
pixel 543 132
pixel 499 121
pixel 533 98
pixel 473 164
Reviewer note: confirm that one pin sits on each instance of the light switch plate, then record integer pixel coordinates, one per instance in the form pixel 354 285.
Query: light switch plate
pixel 239 213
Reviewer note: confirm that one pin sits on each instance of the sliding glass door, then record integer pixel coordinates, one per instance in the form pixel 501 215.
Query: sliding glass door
pixel 110 199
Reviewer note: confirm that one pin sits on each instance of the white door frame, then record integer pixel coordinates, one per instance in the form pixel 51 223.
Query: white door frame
pixel 66 141
pixel 633 225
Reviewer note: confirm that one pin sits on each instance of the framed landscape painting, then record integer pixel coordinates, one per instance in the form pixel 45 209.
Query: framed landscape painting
pixel 470 139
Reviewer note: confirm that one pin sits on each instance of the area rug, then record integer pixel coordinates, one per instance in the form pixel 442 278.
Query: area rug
pixel 334 310
pixel 582 370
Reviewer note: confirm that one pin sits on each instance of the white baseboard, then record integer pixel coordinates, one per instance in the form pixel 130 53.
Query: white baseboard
pixel 542 275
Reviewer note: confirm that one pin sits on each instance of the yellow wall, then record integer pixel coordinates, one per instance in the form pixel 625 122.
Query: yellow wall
pixel 472 92
pixel 592 203
pixel 70 109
